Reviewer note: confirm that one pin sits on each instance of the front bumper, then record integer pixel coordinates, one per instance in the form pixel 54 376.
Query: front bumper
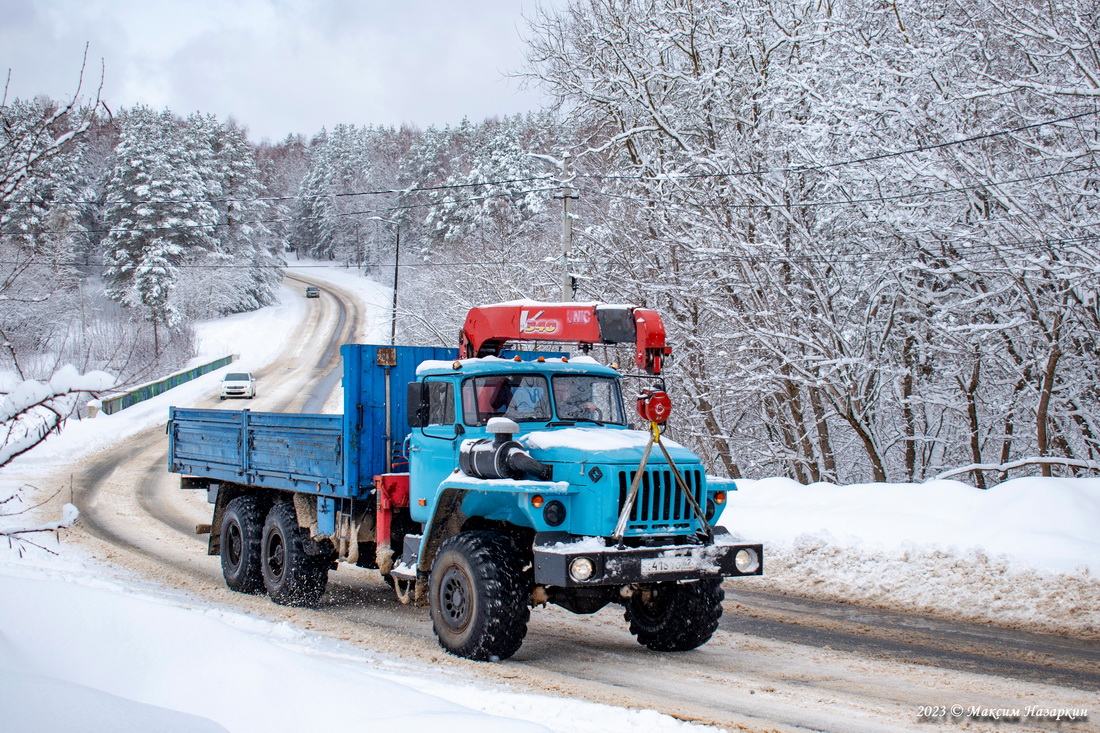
pixel 554 555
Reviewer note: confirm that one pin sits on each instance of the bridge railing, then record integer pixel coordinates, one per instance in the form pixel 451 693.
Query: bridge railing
pixel 120 401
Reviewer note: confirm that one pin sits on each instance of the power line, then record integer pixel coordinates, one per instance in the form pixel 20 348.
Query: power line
pixel 847 202
pixel 595 176
pixel 299 197
pixel 607 194
pixel 904 252
pixel 336 215
pixel 842 163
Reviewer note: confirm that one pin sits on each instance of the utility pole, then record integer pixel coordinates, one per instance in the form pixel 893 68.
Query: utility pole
pixel 568 282
pixel 396 265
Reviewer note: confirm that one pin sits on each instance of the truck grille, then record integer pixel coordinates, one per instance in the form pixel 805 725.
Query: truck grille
pixel 660 505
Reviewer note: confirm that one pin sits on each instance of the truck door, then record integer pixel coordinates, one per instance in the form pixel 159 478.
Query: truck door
pixel 433 449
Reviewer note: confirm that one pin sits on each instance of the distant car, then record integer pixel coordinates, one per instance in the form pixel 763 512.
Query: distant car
pixel 238 384
pixel 312 291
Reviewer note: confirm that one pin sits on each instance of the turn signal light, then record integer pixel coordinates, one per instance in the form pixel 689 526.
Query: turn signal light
pixel 537 501
pixel 720 497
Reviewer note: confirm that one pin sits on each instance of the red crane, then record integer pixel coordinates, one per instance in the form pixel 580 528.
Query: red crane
pixel 489 327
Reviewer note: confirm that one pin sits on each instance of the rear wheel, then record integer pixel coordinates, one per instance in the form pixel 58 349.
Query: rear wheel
pixel 675 617
pixel 478 596
pixel 242 528
pixel 292 577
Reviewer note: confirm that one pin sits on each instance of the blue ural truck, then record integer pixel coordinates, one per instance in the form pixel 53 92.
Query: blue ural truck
pixel 479 482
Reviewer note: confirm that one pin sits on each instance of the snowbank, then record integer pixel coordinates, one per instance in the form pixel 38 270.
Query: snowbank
pixel 1023 553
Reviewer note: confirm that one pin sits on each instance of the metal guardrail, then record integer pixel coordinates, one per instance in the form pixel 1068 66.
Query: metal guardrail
pixel 113 403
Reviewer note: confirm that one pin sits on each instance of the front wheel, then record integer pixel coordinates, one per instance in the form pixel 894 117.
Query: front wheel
pixel 675 617
pixel 292 577
pixel 478 594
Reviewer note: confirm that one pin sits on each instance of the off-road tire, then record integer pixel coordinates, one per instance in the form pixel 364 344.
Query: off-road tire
pixel 678 616
pixel 291 577
pixel 242 528
pixel 478 594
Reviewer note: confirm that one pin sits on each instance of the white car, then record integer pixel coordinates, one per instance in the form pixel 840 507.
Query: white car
pixel 238 384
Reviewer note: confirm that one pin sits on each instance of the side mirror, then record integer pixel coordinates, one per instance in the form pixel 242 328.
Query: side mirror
pixel 418 406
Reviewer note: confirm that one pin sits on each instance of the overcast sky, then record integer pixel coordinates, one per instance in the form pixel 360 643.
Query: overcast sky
pixel 278 66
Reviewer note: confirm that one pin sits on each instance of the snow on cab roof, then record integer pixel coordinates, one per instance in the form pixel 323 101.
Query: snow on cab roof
pixel 486 364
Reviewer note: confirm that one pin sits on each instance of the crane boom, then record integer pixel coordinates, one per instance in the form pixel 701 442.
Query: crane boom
pixel 489 327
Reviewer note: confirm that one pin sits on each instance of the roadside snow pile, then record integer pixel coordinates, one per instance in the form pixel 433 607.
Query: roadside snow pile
pixel 83 651
pixel 10 526
pixel 1024 553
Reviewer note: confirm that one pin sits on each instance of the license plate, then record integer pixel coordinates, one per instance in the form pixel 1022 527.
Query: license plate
pixel 668 564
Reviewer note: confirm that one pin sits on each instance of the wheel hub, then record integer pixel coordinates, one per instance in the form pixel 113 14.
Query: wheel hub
pixel 276 554
pixel 236 544
pixel 455 599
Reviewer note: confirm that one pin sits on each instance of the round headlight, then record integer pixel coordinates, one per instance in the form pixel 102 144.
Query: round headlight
pixel 746 561
pixel 581 568
pixel 711 509
pixel 553 513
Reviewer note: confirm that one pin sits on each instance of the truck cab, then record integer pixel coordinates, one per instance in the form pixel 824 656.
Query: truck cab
pixel 567 414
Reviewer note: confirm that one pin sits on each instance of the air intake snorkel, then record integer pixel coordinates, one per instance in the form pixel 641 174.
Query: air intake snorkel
pixel 501 457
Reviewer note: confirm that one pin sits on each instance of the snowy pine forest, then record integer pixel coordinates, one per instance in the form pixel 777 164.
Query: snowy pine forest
pixel 872 229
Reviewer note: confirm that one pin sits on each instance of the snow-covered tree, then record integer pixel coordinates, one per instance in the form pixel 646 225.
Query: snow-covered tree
pixel 863 222
pixel 158 211
pixel 242 267
pixel 478 200
pixel 314 230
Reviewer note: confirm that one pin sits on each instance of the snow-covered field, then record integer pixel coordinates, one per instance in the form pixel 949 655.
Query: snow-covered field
pixel 84 647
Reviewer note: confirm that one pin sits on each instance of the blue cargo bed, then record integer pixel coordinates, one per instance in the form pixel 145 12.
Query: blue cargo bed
pixel 281 451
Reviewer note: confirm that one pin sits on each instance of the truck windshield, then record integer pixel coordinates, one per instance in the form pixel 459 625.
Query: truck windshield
pixel 582 397
pixel 521 397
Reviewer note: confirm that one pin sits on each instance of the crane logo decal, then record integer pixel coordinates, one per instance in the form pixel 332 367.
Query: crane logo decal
pixel 536 323
pixel 578 316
